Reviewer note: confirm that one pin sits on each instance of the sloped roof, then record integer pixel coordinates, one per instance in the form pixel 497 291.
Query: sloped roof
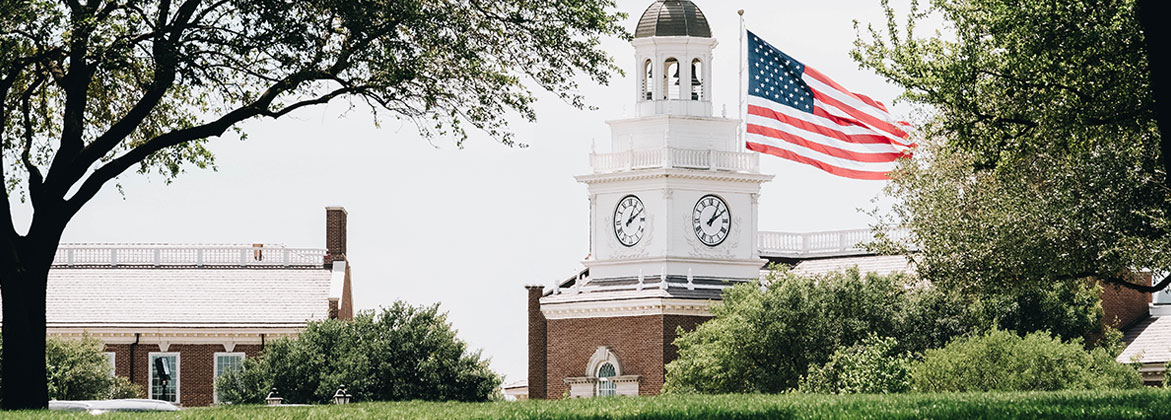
pixel 1148 341
pixel 878 264
pixel 186 296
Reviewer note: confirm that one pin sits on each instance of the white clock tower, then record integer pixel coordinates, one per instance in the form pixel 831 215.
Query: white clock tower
pixel 672 223
pixel 676 196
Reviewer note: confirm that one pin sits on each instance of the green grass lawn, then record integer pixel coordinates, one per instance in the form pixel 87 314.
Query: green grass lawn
pixel 1139 404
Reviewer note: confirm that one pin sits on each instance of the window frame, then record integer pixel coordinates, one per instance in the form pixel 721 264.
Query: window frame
pixel 151 373
pixel 113 359
pixel 215 370
pixel 611 387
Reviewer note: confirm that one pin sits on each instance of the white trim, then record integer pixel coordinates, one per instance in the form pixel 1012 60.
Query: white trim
pixel 625 307
pixel 150 364
pixel 215 370
pixel 113 357
pixel 176 335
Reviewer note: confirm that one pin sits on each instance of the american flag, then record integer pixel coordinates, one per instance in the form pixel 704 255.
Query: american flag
pixel 799 114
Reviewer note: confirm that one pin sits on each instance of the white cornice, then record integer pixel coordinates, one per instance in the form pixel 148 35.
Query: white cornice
pixel 643 174
pixel 624 307
pixel 176 335
pixel 752 262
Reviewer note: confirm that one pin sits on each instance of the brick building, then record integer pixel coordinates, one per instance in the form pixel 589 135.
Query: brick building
pixel 198 309
pixel 673 221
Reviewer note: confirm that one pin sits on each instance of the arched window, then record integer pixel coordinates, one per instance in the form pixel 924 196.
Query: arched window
pixel 696 79
pixel 648 69
pixel 671 78
pixel 606 387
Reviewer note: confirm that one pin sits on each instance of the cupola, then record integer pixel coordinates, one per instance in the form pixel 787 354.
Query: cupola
pixel 673 51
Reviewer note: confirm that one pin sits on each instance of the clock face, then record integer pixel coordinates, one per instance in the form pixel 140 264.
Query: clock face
pixel 711 220
pixel 629 220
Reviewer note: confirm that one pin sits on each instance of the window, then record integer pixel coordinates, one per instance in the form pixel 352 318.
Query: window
pixel 648 71
pixel 111 357
pixel 696 80
pixel 224 363
pixel 671 78
pixel 606 387
pixel 164 383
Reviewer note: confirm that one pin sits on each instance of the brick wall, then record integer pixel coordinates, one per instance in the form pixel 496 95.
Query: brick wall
pixel 537 344
pixel 196 367
pixel 642 344
pixel 1121 307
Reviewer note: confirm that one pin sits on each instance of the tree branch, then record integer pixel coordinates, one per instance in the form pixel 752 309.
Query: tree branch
pixel 259 107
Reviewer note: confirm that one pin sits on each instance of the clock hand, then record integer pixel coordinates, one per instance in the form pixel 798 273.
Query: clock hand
pixel 716 216
pixel 632 216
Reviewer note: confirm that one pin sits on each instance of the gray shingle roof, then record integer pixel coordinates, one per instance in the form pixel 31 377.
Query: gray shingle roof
pixel 1148 341
pixel 184 297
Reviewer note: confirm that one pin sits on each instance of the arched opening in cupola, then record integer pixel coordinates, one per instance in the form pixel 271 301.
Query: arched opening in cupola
pixel 697 78
pixel 648 71
pixel 671 88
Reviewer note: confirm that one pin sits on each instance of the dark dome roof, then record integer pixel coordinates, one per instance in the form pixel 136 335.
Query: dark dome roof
pixel 673 18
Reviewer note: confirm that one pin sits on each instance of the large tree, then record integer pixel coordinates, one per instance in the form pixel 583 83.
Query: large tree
pixel 1049 138
pixel 92 88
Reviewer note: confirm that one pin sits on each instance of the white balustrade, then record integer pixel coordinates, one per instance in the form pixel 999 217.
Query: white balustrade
pixel 841 242
pixel 675 158
pixel 113 255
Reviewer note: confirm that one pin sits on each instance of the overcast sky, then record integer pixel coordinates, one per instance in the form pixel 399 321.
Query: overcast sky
pixel 468 228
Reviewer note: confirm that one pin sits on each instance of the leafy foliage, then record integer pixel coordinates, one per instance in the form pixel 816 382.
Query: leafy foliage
pixel 1042 161
pixel 1003 361
pixel 401 353
pixel 79 370
pixel 869 367
pixel 763 339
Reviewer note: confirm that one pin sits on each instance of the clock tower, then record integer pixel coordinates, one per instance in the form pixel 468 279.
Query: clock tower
pixel 673 211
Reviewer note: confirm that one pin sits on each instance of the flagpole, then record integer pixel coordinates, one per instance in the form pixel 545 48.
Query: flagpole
pixel 740 88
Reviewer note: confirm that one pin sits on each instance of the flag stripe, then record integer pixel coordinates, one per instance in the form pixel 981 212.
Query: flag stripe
pixel 849 101
pixel 839 171
pixel 821 147
pixel 821 77
pixel 851 133
pixel 851 112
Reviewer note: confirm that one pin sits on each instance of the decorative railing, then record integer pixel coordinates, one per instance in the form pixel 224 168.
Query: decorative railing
pixel 675 158
pixel 139 255
pixel 841 242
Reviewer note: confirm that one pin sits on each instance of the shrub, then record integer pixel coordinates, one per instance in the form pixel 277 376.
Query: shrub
pixel 1000 360
pixel 869 367
pixel 79 370
pixel 765 340
pixel 402 353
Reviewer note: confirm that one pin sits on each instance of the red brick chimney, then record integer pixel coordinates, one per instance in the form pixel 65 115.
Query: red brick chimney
pixel 335 234
pixel 538 348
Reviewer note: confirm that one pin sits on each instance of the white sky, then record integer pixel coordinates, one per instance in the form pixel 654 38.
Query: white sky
pixel 468 228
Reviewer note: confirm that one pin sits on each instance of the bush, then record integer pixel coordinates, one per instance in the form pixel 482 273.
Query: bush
pixel 1000 360
pixel 79 370
pixel 870 367
pixel 402 353
pixel 765 340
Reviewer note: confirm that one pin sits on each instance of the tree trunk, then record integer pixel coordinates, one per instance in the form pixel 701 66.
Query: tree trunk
pixel 22 374
pixel 24 274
